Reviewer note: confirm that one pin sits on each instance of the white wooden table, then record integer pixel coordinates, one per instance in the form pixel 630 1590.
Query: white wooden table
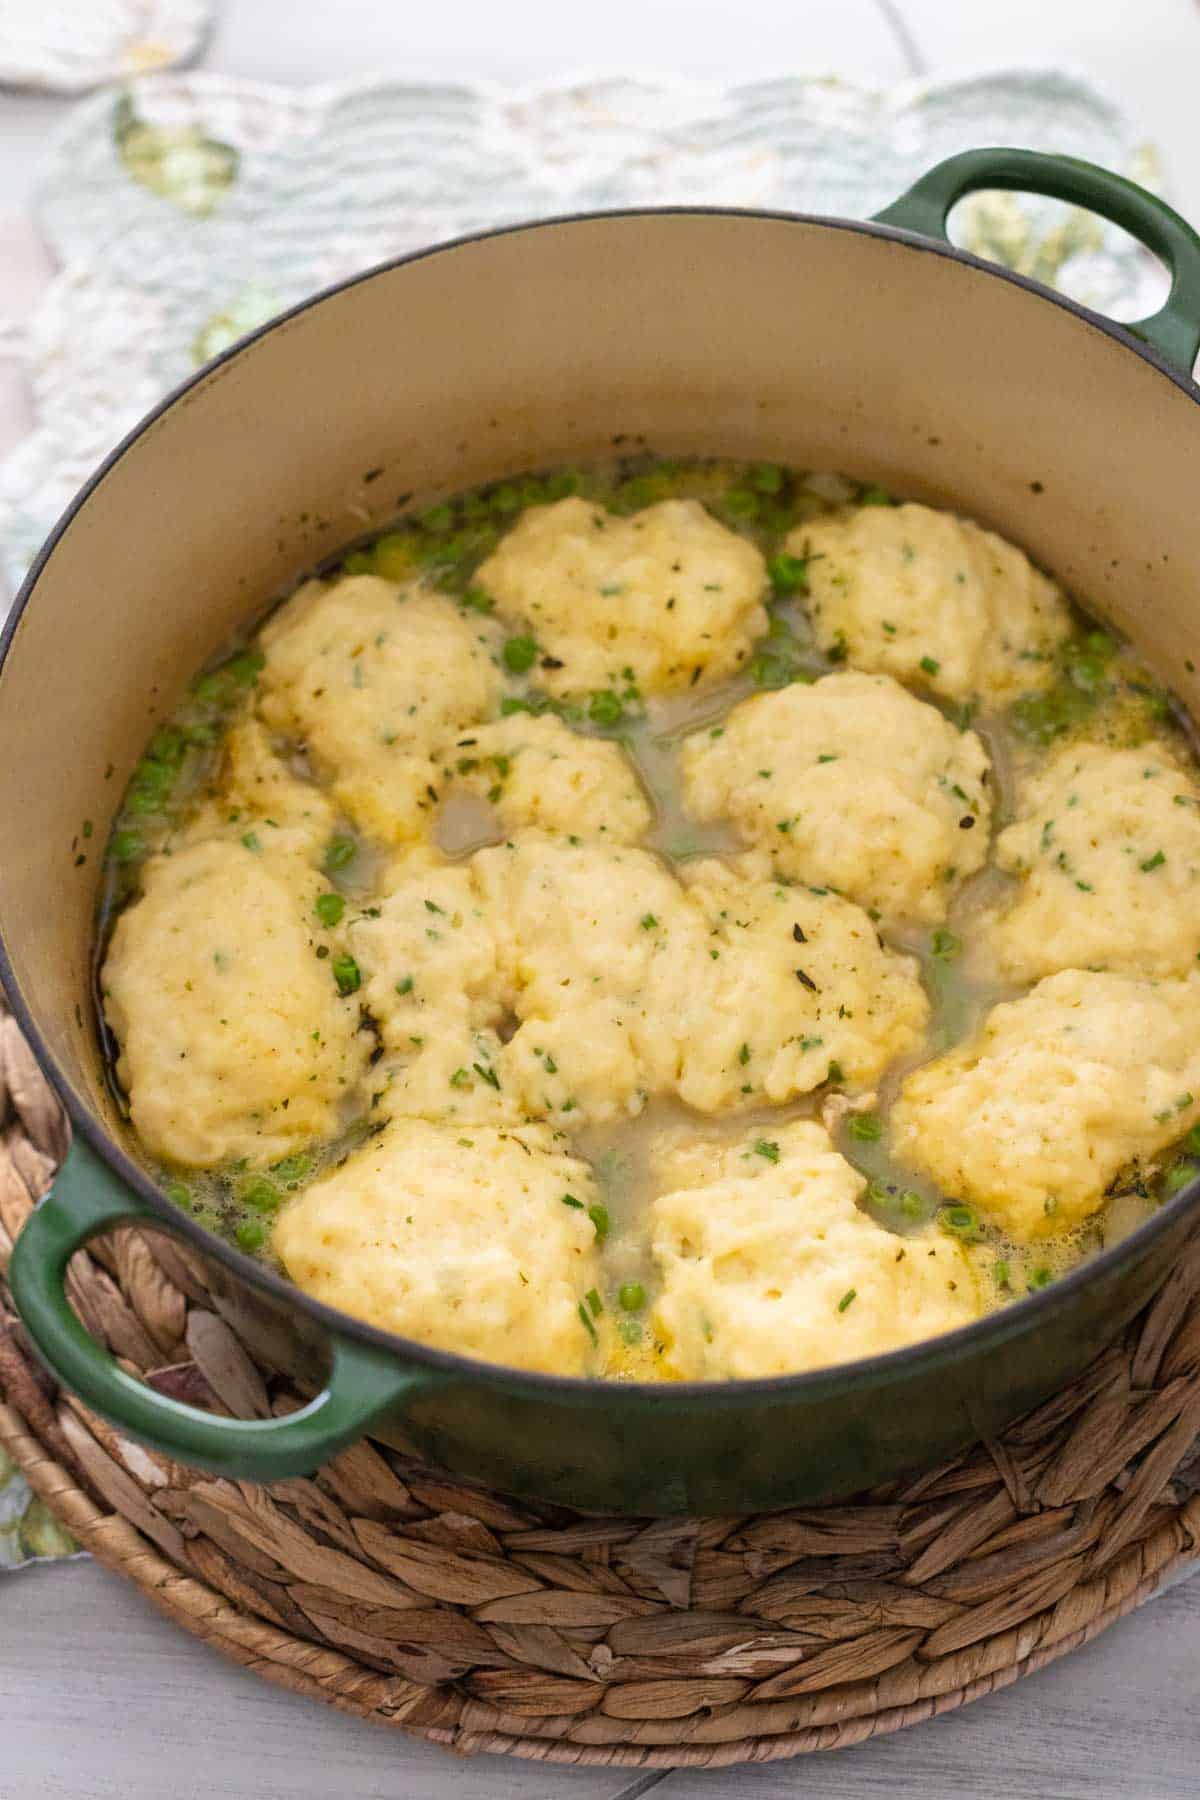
pixel 100 1699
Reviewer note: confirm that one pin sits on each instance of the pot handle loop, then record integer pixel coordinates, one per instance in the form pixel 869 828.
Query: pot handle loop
pixel 1174 331
pixel 88 1198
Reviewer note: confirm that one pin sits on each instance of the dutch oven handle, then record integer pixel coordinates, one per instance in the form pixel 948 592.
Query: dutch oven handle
pixel 88 1198
pixel 1174 331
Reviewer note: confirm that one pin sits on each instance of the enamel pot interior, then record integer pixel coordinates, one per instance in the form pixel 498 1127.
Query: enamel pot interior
pixel 820 344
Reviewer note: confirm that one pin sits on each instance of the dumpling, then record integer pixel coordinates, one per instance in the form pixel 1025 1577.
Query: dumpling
pixel 427 953
pixel 259 793
pixel 1054 1096
pixel 927 597
pixel 1106 847
pixel 852 783
pixel 583 931
pixel 221 988
pixel 535 772
pixel 769 1266
pixel 788 988
pixel 374 679
pixel 661 600
pixel 471 1238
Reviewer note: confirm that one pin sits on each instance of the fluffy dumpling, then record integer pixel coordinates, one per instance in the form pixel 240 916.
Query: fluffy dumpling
pixel 426 952
pixel 1106 847
pixel 260 794
pixel 374 679
pixel 931 598
pixel 851 782
pixel 769 1267
pixel 586 935
pixel 535 772
pixel 1058 1092
pixel 467 1238
pixel 235 1041
pixel 664 598
pixel 789 988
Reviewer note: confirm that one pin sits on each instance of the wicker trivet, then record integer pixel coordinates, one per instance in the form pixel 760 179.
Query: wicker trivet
pixel 405 1595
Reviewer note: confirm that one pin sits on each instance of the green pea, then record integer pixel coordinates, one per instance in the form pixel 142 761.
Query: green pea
pixel 606 708
pixel 293 1168
pixel 251 1235
pixel 520 654
pixel 330 908
pixel 960 1221
pixel 631 1296
pixel 1179 1175
pixel 167 745
pixel 246 666
pixel 259 1193
pixel 789 574
pixel 561 483
pixel 126 846
pixel 394 555
pixel 740 503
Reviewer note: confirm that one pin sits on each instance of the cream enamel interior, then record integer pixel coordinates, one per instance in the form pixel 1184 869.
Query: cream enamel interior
pixel 819 346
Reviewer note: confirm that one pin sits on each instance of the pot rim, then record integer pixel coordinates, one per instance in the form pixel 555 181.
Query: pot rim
pixel 985 1334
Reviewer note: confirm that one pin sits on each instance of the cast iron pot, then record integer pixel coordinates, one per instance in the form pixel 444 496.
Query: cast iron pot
pixel 876 348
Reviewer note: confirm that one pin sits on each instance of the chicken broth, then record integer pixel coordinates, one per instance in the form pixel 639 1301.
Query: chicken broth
pixel 664 920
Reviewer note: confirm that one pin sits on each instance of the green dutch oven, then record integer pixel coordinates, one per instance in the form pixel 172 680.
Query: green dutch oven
pixel 874 347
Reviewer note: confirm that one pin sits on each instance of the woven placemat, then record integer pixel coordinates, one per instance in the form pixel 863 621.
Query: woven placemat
pixel 395 1591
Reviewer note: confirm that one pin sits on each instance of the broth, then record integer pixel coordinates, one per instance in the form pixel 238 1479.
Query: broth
pixel 1101 692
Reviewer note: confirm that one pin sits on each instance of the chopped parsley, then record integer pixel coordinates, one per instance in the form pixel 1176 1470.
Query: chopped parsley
pixel 347 974
pixel 339 852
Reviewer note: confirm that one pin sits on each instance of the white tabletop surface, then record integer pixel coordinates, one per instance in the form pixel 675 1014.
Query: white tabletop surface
pixel 100 1699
